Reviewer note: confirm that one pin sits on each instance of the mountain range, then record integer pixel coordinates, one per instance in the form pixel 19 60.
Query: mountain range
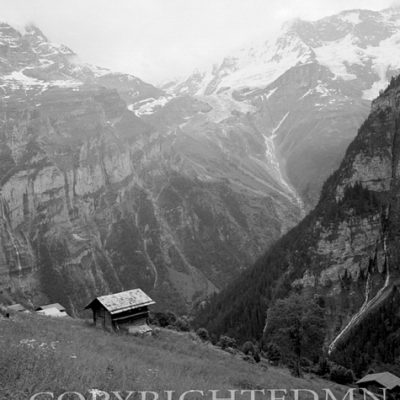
pixel 109 183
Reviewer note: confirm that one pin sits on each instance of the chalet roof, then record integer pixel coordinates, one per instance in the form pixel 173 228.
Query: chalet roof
pixel 386 379
pixel 123 301
pixel 53 312
pixel 16 308
pixel 58 306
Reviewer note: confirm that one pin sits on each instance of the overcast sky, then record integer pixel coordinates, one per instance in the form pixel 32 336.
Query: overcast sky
pixel 159 39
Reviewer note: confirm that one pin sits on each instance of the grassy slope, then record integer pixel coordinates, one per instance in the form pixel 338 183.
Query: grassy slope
pixel 39 353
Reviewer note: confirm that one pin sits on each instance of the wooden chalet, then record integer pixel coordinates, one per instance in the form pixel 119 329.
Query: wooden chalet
pixel 127 311
pixel 375 383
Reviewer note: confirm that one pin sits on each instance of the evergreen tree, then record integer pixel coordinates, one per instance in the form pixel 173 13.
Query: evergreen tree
pixel 297 326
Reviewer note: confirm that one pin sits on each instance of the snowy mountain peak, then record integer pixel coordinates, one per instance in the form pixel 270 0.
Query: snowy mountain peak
pixel 33 30
pixel 30 64
pixel 353 45
pixel 251 66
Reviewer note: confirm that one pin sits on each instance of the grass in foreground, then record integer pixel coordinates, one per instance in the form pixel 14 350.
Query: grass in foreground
pixel 43 354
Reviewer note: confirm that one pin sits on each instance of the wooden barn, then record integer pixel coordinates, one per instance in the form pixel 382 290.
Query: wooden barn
pixel 127 311
pixel 375 383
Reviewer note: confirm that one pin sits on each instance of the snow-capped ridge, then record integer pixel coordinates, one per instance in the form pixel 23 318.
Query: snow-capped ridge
pixel 344 43
pixel 30 61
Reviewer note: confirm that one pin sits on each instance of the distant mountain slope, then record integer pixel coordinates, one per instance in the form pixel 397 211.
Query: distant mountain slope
pixel 320 76
pixel 345 250
pixel 108 183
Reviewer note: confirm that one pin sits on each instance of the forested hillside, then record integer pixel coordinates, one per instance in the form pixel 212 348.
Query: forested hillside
pixel 345 251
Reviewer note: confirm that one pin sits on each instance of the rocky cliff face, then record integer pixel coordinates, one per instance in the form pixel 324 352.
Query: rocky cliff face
pixel 175 197
pixel 345 251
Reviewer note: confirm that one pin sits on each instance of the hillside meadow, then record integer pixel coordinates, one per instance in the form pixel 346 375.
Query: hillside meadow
pixel 58 355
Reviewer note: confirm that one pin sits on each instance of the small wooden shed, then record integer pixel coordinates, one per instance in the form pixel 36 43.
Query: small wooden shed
pixel 126 311
pixel 52 310
pixel 383 380
pixel 16 308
